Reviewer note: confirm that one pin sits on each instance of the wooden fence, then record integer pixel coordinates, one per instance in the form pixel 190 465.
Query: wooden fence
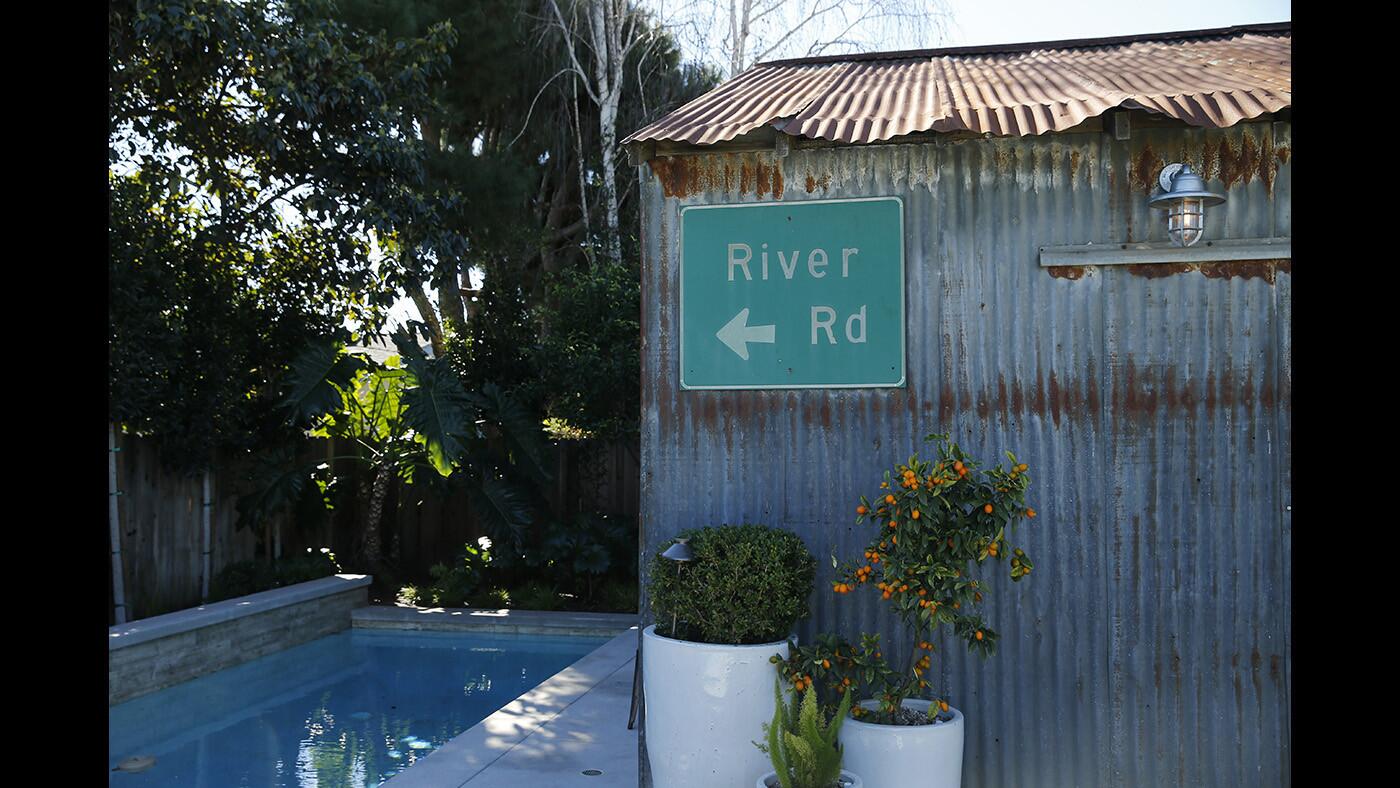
pixel 160 524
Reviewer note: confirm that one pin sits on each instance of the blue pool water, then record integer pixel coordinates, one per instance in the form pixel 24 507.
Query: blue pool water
pixel 351 709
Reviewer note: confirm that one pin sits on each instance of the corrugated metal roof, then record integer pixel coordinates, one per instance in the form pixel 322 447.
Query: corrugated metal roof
pixel 1210 78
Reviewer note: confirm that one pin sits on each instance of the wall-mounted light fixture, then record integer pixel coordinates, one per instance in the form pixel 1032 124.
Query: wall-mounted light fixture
pixel 1183 195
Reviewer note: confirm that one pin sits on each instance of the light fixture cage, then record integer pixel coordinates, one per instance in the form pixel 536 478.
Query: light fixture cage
pixel 1186 221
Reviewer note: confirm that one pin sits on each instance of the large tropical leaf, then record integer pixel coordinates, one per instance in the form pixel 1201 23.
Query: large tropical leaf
pixel 505 509
pixel 379 395
pixel 592 559
pixel 436 405
pixel 277 482
pixel 520 427
pixel 317 379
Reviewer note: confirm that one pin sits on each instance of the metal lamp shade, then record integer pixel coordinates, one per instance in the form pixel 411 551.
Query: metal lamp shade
pixel 679 552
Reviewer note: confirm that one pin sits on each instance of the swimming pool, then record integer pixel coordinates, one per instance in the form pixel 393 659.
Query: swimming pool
pixel 350 709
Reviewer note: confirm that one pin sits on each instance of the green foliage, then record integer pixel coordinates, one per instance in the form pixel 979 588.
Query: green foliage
pixel 936 522
pixel 436 407
pixel 589 356
pixel 252 147
pixel 407 414
pixel 249 577
pixel 619 597
pixel 746 584
pixel 494 598
pixel 500 334
pixel 592 545
pixel 411 594
pixel 535 595
pixel 801 745
pixel 456 585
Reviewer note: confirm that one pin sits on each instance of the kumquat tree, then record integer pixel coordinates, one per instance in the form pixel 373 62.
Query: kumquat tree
pixel 936 522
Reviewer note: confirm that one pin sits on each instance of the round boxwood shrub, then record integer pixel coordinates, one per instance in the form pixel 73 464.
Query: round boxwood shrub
pixel 747 584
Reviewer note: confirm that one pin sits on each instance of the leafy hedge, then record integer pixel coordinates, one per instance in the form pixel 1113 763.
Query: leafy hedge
pixel 249 577
pixel 747 584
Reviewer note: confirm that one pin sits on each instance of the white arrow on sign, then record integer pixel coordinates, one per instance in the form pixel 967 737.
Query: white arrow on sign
pixel 737 333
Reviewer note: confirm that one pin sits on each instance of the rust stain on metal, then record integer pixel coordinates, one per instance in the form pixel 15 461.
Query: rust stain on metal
pixel 682 176
pixel 1146 169
pixel 1159 270
pixel 675 174
pixel 1210 161
pixel 1267 270
pixel 1281 153
pixel 1073 164
pixel 1070 272
pixel 670 173
pixel 1267 165
pixel 1052 396
pixel 1247 269
pixel 814 183
pixel 1237 165
pixel 1006 158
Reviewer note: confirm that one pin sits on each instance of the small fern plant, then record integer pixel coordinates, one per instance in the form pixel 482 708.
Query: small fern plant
pixel 803 748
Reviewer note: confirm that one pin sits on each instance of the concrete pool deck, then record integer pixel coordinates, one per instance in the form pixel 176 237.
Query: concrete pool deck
pixel 574 721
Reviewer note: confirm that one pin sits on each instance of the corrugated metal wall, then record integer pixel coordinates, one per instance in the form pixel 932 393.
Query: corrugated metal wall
pixel 1152 402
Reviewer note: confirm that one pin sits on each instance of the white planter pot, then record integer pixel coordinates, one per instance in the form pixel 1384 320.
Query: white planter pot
pixel 706 704
pixel 904 756
pixel 847 780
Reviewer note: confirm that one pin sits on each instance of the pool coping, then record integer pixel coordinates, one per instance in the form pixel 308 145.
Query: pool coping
pixel 473 751
pixel 479 619
pixel 145 630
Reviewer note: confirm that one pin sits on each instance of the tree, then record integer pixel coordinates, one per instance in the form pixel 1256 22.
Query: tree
pixel 735 34
pixel 509 113
pixel 409 419
pixel 254 149
pixel 614 29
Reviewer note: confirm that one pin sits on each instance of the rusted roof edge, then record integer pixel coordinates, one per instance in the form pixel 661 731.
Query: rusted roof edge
pixel 1092 124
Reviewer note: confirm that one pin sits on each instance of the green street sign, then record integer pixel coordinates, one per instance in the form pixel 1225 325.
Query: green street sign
pixel 793 295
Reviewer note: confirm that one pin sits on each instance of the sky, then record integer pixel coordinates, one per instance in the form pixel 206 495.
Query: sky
pixel 989 22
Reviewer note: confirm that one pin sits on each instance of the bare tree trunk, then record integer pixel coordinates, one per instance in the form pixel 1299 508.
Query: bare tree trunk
pixel 429 315
pixel 614 28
